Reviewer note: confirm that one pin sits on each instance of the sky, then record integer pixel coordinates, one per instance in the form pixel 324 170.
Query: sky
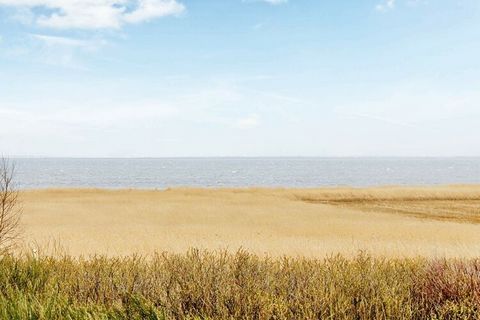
pixel 200 78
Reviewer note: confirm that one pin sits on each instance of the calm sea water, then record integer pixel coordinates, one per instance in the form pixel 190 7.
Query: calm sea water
pixel 244 172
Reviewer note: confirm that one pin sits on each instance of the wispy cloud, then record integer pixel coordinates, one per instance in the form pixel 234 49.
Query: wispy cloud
pixel 56 41
pixel 258 26
pixel 88 14
pixel 385 5
pixel 250 122
pixel 272 2
pixel 378 118
pixel 88 117
pixel 275 1
pixel 65 52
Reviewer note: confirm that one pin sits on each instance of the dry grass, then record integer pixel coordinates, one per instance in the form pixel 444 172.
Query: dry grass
pixel 459 203
pixel 449 210
pixel 286 272
pixel 309 223
pixel 206 285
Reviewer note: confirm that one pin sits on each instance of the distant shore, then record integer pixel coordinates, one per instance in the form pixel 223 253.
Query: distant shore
pixel 389 221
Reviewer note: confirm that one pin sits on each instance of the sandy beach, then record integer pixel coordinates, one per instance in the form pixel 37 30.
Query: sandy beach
pixel 399 222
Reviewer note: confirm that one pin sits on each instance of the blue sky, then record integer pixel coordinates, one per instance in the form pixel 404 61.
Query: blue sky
pixel 155 78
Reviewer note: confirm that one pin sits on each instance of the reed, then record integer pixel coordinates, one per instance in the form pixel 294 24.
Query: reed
pixel 221 285
pixel 394 222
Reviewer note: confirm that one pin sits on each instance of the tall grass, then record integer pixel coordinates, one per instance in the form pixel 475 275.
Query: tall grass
pixel 208 285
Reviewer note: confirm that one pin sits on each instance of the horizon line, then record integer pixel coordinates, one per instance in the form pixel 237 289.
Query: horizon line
pixel 240 157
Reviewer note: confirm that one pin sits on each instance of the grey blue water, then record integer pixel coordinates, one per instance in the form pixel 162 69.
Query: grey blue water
pixel 243 172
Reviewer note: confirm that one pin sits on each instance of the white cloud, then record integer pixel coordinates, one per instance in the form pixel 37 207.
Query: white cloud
pixel 258 26
pixel 249 122
pixel 83 117
pixel 150 9
pixel 272 2
pixel 53 41
pixel 275 1
pixel 51 50
pixel 386 5
pixel 94 14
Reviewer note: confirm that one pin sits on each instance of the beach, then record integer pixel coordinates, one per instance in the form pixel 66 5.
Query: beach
pixel 388 221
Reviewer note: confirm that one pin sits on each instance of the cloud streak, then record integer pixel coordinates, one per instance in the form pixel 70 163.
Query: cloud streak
pixel 56 41
pixel 272 2
pixel 275 1
pixel 94 14
pixel 58 51
pixel 250 122
pixel 385 5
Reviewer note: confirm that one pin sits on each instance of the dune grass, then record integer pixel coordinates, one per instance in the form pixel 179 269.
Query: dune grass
pixel 220 285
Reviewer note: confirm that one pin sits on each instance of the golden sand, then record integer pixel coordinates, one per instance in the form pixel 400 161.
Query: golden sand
pixel 440 221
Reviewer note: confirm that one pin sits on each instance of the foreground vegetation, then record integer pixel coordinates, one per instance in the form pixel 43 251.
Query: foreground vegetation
pixel 220 285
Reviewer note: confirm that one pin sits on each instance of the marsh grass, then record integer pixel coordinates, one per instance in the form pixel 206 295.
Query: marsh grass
pixel 219 285
pixel 309 222
pixel 449 203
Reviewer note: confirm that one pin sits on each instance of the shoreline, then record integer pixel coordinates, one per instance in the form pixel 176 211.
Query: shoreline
pixel 442 189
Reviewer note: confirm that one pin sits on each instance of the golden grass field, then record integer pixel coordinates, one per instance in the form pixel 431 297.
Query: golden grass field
pixel 389 221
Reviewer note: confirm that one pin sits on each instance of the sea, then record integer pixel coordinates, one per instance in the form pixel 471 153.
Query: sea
pixel 162 173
